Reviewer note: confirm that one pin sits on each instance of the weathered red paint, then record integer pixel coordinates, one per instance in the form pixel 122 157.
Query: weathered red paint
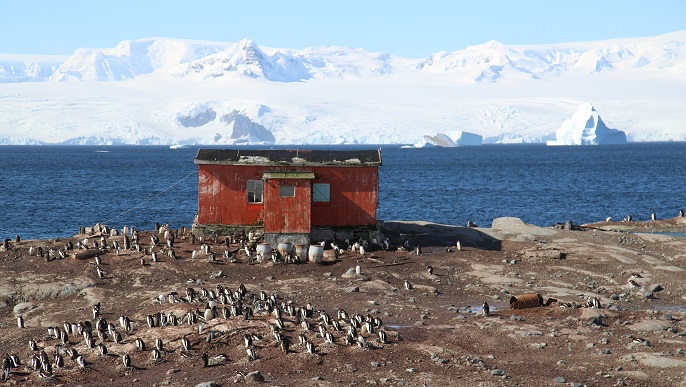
pixel 222 197
pixel 287 214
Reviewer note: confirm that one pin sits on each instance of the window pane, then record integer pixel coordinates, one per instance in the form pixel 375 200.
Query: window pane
pixel 321 192
pixel 255 189
pixel 287 191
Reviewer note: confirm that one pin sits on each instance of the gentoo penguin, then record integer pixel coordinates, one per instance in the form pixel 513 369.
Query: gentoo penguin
pixel 458 246
pixel 185 343
pixel 81 361
pixel 205 360
pixel 383 337
pixel 608 219
pixel 328 337
pixel 593 302
pixel 156 354
pixel 361 342
pixel 101 273
pixel 159 345
pixel 59 361
pixel 98 260
pixel 284 344
pixel 251 354
pixel 310 347
pixel 486 309
pixel 140 344
pixel 653 217
pixel 629 218
pixel 20 321
pixel 418 250
pixel 6 368
pixel 634 283
pixel 408 285
pixel 681 213
pixel 32 345
pixel 430 270
pixel 126 360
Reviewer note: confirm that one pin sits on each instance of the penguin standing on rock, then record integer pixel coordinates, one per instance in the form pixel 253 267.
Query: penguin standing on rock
pixel 486 309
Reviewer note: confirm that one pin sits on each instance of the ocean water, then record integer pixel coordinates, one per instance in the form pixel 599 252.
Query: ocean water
pixel 50 191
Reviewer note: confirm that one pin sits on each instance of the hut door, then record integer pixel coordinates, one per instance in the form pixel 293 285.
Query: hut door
pixel 287 206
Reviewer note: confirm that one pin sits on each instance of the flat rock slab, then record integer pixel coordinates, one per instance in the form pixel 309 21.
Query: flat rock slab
pixel 516 230
pixel 654 360
pixel 650 326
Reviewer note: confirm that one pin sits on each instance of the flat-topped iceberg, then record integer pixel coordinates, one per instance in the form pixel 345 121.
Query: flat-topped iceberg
pixel 586 127
pixel 451 139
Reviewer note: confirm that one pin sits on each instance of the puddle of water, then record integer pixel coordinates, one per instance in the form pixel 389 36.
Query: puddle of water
pixel 671 308
pixel 674 234
pixel 396 326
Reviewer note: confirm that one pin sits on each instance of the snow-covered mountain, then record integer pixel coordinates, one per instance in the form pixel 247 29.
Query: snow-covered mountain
pixel 164 91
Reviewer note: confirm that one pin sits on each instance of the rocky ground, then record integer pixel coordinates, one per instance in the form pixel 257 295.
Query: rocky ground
pixel 436 331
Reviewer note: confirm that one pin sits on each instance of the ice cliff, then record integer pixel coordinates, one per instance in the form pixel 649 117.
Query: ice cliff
pixel 586 127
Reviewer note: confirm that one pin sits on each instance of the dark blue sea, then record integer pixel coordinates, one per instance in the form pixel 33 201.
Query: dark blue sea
pixel 50 191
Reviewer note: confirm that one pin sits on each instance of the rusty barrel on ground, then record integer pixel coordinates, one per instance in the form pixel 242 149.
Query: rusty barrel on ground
pixel 523 301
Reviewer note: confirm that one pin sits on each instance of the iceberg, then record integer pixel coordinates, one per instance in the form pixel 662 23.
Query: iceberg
pixel 586 127
pixel 451 139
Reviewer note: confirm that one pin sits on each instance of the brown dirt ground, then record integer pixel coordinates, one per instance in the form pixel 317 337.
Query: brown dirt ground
pixel 437 334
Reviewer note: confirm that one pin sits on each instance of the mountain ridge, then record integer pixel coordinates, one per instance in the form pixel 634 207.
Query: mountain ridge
pixel 134 93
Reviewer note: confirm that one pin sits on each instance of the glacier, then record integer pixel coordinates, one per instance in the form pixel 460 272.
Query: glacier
pixel 163 91
pixel 586 127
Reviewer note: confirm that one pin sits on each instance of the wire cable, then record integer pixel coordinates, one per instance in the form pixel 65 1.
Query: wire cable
pixel 151 198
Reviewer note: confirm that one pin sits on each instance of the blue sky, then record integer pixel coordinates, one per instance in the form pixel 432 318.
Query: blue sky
pixel 412 29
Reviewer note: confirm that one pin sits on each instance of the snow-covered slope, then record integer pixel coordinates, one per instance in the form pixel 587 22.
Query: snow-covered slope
pixel 586 127
pixel 169 91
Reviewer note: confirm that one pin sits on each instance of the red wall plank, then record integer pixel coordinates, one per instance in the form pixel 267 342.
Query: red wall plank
pixel 287 214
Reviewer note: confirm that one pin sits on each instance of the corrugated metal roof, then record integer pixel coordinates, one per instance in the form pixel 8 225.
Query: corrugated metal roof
pixel 343 158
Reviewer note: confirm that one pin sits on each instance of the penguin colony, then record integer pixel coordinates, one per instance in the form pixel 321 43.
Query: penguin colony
pixel 212 315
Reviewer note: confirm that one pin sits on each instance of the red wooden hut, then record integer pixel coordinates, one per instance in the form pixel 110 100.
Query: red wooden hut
pixel 286 193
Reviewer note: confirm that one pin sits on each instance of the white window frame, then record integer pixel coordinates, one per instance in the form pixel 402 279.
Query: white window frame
pixel 255 191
